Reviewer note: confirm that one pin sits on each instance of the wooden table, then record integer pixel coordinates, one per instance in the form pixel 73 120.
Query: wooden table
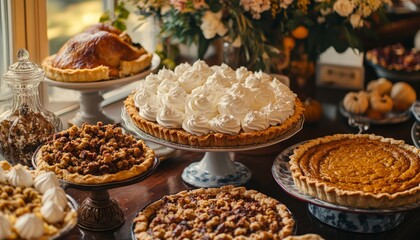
pixel 167 179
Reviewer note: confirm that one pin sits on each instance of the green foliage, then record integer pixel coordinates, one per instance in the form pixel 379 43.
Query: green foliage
pixel 120 15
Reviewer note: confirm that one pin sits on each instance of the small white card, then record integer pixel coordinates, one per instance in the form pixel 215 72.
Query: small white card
pixel 343 70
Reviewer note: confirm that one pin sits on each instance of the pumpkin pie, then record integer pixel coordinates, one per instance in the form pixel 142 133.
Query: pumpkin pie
pixel 358 170
pixel 94 154
pixel 214 213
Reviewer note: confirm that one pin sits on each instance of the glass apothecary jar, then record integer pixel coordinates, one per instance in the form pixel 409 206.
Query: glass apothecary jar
pixel 27 124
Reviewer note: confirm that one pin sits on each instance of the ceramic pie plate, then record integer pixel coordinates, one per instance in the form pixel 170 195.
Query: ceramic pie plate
pixel 282 175
pixel 341 217
pixel 89 86
pixel 133 224
pixel 103 186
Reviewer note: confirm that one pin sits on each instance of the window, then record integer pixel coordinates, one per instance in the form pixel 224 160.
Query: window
pixel 5 60
pixel 43 26
pixel 64 20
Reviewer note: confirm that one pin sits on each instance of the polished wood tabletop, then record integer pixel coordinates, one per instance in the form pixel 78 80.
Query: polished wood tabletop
pixel 166 179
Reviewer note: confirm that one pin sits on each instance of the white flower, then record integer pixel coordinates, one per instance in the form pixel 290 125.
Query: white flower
pixel 211 25
pixel 285 3
pixel 320 20
pixel 365 11
pixel 255 7
pixel 343 7
pixel 356 21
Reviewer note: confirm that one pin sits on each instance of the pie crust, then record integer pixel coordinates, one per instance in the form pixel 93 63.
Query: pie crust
pixel 67 155
pixel 16 201
pixel 358 170
pixel 214 213
pixel 94 74
pixel 212 139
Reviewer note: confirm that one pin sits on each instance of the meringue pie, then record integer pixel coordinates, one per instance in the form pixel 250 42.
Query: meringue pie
pixel 214 106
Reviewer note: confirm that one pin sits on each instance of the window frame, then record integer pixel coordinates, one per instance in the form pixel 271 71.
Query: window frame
pixel 27 22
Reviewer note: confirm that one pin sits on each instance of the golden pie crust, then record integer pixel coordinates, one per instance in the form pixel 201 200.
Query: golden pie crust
pixel 97 73
pixel 212 139
pixel 214 213
pixel 358 170
pixel 17 201
pixel 94 154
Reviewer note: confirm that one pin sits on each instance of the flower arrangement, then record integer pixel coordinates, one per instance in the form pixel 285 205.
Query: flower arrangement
pixel 264 28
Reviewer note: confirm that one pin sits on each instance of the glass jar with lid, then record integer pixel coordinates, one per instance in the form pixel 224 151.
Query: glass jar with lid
pixel 27 124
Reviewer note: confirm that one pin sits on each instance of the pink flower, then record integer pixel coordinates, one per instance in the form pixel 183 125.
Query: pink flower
pixel 179 5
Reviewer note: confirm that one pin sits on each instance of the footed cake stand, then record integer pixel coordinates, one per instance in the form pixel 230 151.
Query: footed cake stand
pixel 216 168
pixel 98 212
pixel 91 94
pixel 345 218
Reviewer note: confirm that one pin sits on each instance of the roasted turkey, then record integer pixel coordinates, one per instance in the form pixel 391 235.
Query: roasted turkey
pixel 98 45
pixel 100 52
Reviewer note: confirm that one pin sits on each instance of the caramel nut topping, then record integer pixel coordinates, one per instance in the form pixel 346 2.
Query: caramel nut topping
pixel 214 213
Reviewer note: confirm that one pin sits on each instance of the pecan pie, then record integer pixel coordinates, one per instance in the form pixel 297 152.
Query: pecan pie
pixel 358 170
pixel 94 154
pixel 22 207
pixel 215 213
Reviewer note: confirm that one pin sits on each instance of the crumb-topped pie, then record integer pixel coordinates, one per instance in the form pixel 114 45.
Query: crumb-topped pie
pixel 100 52
pixel 94 154
pixel 358 170
pixel 32 205
pixel 214 106
pixel 214 213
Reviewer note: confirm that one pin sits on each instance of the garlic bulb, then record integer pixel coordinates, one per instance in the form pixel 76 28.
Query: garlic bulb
pixel 5 227
pixel 19 176
pixel 45 181
pixel 56 195
pixel 52 212
pixel 29 226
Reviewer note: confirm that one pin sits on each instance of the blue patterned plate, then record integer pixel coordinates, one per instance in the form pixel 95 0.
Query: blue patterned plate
pixel 341 217
pixel 282 175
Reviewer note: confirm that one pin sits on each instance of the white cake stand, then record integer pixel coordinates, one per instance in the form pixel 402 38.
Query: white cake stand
pixel 90 110
pixel 216 168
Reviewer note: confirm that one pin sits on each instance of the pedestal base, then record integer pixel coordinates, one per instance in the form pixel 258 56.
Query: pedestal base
pixel 90 109
pixel 100 213
pixel 356 222
pixel 214 170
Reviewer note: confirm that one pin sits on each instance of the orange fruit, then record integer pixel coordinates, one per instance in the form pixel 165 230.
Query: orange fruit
pixel 300 32
pixel 288 43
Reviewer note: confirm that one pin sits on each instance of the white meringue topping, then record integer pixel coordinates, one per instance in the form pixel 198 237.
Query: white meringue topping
pixel 255 121
pixel 196 124
pixel 170 118
pixel 56 195
pixel 5 227
pixel 29 226
pixel 225 124
pixel 216 93
pixel 52 212
pixel 45 181
pixel 19 176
